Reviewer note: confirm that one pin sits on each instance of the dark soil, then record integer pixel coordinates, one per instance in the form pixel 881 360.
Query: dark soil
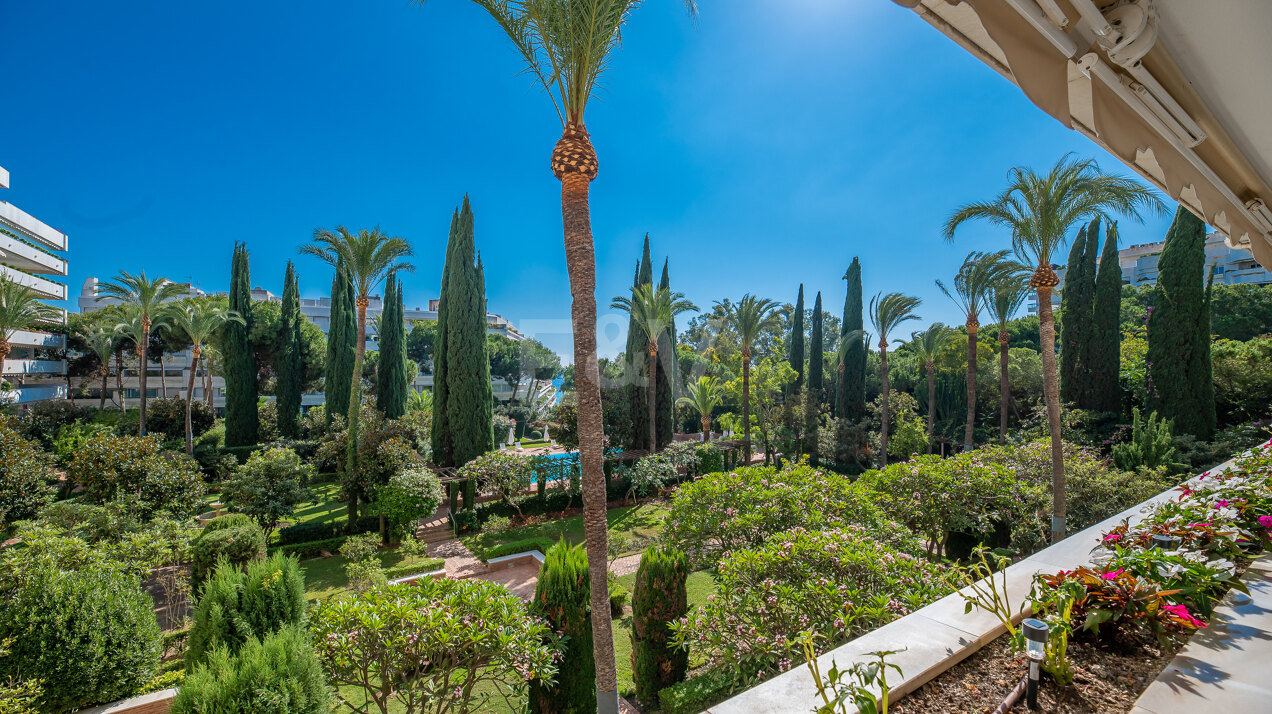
pixel 1105 681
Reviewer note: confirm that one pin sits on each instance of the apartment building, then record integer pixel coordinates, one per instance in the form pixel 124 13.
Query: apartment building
pixel 34 369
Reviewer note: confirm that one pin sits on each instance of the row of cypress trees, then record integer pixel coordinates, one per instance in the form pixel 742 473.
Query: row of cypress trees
pixel 1090 353
pixel 241 421
pixel 390 396
pixel 342 333
pixel 289 365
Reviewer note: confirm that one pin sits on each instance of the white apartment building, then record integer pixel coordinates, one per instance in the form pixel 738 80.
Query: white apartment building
pixel 173 377
pixel 27 247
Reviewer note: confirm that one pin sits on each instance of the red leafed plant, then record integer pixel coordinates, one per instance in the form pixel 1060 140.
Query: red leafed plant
pixel 1116 606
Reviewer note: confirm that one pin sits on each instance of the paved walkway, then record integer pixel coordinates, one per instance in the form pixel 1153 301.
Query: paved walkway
pixel 1224 667
pixel 625 565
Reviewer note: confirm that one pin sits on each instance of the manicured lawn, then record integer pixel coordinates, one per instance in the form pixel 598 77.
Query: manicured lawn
pixel 325 577
pixel 643 521
pixel 698 587
pixel 322 506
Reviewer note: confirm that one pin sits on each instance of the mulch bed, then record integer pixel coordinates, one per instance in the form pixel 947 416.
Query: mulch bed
pixel 1105 681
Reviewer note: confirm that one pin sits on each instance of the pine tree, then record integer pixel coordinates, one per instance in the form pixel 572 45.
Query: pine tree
pixel 241 420
pixel 289 358
pixel 341 334
pixel 1180 389
pixel 562 598
pixel 816 367
pixel 1075 317
pixel 637 359
pixel 797 339
pixel 1106 335
pixel 666 377
pixel 462 361
pixel 658 600
pixel 390 396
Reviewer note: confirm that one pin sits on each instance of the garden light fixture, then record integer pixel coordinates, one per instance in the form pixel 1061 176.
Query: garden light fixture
pixel 1035 632
pixel 1166 542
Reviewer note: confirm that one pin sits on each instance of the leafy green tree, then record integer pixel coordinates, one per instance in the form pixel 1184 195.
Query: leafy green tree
pixel 747 319
pixel 340 336
pixel 1243 383
pixel 769 380
pixel 816 377
pixel 703 397
pixel 797 339
pixel 887 312
pixel 652 311
pixel 505 362
pixel 1006 298
pixel 1181 383
pixel 561 598
pixel 972 283
pixel 463 401
pixel 927 346
pixel 1105 336
pixel 100 341
pixel 198 320
pixel 268 487
pixel 242 423
pixel 144 297
pixel 420 342
pixel 1039 210
pixel 659 599
pixel 391 383
pixel 1241 312
pixel 289 358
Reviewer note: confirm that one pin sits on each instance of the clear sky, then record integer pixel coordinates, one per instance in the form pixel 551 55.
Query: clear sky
pixel 762 146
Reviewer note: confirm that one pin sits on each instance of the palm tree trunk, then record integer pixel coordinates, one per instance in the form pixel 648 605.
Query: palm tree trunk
pixel 163 376
pixel 706 428
pixel 1004 387
pixel 883 428
pixel 207 385
pixel 651 396
pixel 746 406
pixel 969 432
pixel 355 403
pixel 101 404
pixel 119 378
pixel 194 368
pixel 574 163
pixel 931 375
pixel 141 376
pixel 1051 388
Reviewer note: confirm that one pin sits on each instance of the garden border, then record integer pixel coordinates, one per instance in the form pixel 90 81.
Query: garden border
pixel 936 637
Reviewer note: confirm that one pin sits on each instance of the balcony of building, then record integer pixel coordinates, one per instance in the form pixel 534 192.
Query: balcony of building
pixel 42 287
pixel 31 338
pixel 30 227
pixel 37 393
pixel 33 366
pixel 25 256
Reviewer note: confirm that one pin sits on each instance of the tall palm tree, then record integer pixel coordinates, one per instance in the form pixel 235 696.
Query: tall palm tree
pixel 887 312
pixel 703 397
pixel 20 310
pixel 566 47
pixel 1039 209
pixel 653 310
pixel 749 317
pixel 1005 299
pixel 132 327
pixel 197 320
pixel 101 342
pixel 369 257
pixel 145 297
pixel 975 278
pixel 927 345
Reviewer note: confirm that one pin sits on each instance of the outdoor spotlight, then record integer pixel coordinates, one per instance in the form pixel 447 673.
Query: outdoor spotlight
pixel 1166 542
pixel 1035 632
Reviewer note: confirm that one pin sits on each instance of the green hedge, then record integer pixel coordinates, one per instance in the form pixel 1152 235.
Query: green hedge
pixel 424 566
pixel 229 520
pixel 311 549
pixel 306 532
pixel 540 544
pixel 241 452
pixel 237 544
pixel 693 695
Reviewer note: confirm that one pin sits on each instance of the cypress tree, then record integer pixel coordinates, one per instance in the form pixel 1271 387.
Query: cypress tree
pixel 1106 335
pixel 665 379
pixel 816 367
pixel 1179 370
pixel 390 396
pixel 289 358
pixel 637 358
pixel 562 598
pixel 658 600
pixel 797 339
pixel 852 377
pixel 1076 313
pixel 341 334
pixel 463 361
pixel 241 420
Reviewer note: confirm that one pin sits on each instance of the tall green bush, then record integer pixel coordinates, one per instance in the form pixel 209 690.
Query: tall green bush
pixel 1106 335
pixel 813 395
pixel 391 376
pixel 796 354
pixel 279 675
pixel 91 636
pixel 239 545
pixel 562 598
pixel 27 482
pixel 341 336
pixel 289 358
pixel 241 389
pixel 1151 445
pixel 268 487
pixel 237 605
pixel 108 466
pixel 659 600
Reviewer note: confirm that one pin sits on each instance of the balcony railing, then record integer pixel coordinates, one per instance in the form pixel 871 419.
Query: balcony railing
pixel 28 257
pixel 28 338
pixel 33 366
pixel 36 393
pixel 43 288
pixel 20 221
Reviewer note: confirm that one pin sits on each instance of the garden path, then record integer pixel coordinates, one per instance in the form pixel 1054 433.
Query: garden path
pixel 625 565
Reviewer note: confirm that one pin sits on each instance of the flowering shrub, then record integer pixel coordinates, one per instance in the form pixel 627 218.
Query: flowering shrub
pixel 437 646
pixel 837 583
pixel 1118 605
pixel 734 510
pixel 500 472
pixel 409 495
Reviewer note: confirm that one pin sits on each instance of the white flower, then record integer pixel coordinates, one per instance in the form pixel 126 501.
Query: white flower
pixel 1223 565
pixel 1101 556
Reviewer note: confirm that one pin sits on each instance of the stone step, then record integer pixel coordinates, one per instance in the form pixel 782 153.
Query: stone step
pixel 433 536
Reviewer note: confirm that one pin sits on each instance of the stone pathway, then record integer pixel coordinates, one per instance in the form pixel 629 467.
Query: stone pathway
pixel 625 565
pixel 460 561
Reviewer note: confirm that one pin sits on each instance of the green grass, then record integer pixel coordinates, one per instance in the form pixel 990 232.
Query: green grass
pixel 529 444
pixel 698 587
pixel 325 577
pixel 643 521
pixel 322 506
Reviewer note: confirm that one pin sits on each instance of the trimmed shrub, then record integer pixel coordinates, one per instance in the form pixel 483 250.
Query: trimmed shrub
pixel 91 636
pixel 27 482
pixel 541 544
pixel 107 465
pixel 268 487
pixel 313 548
pixel 710 459
pixel 238 605
pixel 228 520
pixel 693 695
pixel 562 598
pixel 279 675
pixel 659 600
pixel 426 565
pixel 409 495
pixel 239 545
pixel 617 596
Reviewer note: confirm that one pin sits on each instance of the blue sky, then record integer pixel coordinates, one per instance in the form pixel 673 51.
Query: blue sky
pixel 762 146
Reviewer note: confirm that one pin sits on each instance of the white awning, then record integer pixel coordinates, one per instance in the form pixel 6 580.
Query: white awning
pixel 1177 89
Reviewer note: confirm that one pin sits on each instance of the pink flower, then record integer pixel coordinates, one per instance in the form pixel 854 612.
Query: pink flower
pixel 1112 574
pixel 1222 503
pixel 1112 536
pixel 1182 613
pixel 1266 522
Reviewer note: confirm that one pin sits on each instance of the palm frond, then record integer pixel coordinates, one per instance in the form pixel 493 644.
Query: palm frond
pixel 887 311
